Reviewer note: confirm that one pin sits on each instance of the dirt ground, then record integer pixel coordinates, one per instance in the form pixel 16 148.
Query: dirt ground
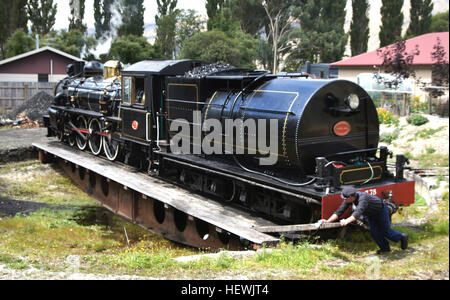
pixel 408 143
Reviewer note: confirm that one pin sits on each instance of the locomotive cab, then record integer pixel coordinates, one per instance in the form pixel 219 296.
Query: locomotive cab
pixel 143 94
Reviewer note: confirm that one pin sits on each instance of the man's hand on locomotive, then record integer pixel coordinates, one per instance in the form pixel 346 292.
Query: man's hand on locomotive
pixel 344 222
pixel 347 221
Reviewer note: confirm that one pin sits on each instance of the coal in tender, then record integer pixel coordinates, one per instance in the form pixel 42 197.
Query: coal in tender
pixel 34 109
pixel 203 71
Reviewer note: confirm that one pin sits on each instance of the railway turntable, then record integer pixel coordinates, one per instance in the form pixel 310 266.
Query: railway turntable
pixel 165 209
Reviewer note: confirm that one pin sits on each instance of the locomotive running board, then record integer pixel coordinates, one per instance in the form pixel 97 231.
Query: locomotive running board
pixel 161 207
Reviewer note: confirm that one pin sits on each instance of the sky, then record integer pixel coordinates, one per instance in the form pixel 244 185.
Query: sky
pixel 199 5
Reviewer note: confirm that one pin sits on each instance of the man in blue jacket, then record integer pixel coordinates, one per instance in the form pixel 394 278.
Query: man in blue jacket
pixel 376 211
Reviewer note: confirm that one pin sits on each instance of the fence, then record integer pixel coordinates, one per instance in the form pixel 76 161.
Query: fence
pixel 13 94
pixel 404 103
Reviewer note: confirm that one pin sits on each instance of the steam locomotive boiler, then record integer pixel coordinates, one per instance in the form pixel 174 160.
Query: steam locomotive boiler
pixel 282 146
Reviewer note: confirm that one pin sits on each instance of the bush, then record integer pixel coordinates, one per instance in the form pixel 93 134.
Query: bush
pixel 389 137
pixel 418 106
pixel 417 120
pixel 386 117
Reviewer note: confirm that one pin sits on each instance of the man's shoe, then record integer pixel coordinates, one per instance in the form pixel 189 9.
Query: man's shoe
pixel 381 251
pixel 404 241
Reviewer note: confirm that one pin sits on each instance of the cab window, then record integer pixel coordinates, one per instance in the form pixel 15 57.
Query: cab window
pixel 140 91
pixel 127 90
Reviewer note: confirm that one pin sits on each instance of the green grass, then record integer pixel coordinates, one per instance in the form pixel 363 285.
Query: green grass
pixel 428 133
pixel 40 183
pixel 430 159
pixel 13 262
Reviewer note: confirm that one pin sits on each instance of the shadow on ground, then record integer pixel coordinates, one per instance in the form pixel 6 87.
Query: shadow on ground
pixel 10 208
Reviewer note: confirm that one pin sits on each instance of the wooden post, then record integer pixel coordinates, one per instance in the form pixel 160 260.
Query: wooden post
pixel 405 102
pixel 26 92
pixel 430 110
pixel 383 95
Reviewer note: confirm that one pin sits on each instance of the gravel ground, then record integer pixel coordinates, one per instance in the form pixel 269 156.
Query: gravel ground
pixel 32 273
pixel 21 138
pixel 16 144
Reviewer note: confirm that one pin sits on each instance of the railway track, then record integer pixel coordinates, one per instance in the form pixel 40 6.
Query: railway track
pixel 425 172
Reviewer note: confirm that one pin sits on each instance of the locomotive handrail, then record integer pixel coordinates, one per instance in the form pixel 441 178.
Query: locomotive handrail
pixel 268 110
pixel 255 81
pixel 353 152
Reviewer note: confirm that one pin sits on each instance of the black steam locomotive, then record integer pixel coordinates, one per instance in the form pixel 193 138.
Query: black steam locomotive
pixel 280 145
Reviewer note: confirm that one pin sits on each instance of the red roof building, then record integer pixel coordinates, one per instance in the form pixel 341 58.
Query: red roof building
pixel 371 63
pixel 46 64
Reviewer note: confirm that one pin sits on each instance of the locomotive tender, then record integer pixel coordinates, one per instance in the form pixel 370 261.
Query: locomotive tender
pixel 322 135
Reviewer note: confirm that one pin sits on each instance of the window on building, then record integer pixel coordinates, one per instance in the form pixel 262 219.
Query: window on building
pixel 42 77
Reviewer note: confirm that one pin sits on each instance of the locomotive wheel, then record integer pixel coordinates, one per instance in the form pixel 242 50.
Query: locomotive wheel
pixel 72 140
pixel 81 123
pixel 95 140
pixel 111 148
pixel 60 135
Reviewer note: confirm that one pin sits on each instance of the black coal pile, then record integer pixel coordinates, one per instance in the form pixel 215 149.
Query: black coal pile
pixel 206 70
pixel 33 109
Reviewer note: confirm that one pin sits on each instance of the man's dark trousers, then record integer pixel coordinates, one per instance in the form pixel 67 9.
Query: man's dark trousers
pixel 380 229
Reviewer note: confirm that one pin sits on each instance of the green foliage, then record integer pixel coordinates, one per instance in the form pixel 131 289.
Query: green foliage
pixel 418 106
pixel 132 13
pixel 391 21
pixel 417 120
pixel 439 22
pixel 20 42
pixel 213 8
pixel 359 28
pixel 13 15
pixel 131 49
pixel 216 46
pixel 42 14
pixel 166 20
pixel 420 20
pixel 188 24
pixel 223 22
pixel 431 150
pixel 102 16
pixel 69 41
pixel 323 38
pixel 240 11
pixel 77 8
pixel 439 69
